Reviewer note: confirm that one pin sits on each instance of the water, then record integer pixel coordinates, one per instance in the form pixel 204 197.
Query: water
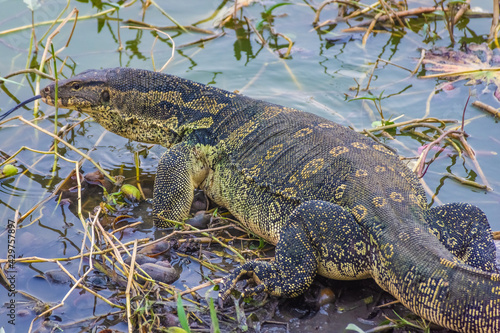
pixel 319 77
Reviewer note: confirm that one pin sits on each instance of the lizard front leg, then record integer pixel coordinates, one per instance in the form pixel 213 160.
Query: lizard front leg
pixel 181 169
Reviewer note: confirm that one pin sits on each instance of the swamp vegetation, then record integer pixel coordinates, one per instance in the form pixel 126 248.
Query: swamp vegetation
pixel 78 251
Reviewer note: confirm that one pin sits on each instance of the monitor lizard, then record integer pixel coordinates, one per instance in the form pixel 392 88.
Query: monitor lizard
pixel 334 202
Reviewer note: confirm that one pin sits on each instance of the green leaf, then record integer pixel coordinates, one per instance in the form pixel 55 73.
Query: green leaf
pixel 9 170
pixel 32 4
pixel 213 315
pixel 181 313
pixel 352 327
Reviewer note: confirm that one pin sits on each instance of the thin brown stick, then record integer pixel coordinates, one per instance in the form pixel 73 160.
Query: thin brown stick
pixel 201 286
pixel 170 27
pixel 129 285
pixel 494 21
pixel 370 28
pixel 461 12
pixel 468 182
pixel 70 146
pixel 487 108
pixel 201 40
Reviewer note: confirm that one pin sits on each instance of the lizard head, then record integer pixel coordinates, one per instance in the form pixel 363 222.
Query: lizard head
pixel 87 92
pixel 132 103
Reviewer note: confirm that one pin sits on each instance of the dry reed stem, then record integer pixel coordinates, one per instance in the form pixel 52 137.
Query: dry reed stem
pixel 369 30
pixel 413 121
pixel 77 283
pixel 29 70
pixel 494 21
pixel 202 40
pixel 468 182
pixel 327 2
pixel 364 10
pixel 187 27
pixel 201 286
pixel 461 11
pixel 167 15
pixel 491 110
pixel 457 73
pixel 77 166
pixel 29 26
pixel 129 285
pixel 152 47
pixel 229 247
pixel 264 43
pixel 46 50
pixel 67 144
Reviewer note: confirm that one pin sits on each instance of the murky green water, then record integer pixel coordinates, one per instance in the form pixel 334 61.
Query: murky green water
pixel 319 77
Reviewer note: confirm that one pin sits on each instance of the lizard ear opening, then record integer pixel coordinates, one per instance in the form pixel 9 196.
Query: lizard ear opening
pixel 105 96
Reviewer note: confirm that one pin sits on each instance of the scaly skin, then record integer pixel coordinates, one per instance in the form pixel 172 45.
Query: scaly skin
pixel 334 202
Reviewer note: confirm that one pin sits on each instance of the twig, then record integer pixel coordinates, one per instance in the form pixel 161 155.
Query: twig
pixel 201 286
pixel 370 28
pixel 70 146
pixel 29 70
pixel 129 285
pixel 423 120
pixel 487 108
pixel 201 40
pixel 419 167
pixel 422 56
pixel 461 12
pixel 161 32
pixel 327 2
pixel 494 21
pixel 168 16
pixel 46 50
pixel 172 27
pixel 468 182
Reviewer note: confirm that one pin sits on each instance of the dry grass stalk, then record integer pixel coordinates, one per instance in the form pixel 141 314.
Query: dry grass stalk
pixel 154 43
pixel 487 108
pixel 67 144
pixel 129 285
pixel 47 47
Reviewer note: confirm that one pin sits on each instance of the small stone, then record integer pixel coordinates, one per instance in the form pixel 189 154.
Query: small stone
pixel 326 295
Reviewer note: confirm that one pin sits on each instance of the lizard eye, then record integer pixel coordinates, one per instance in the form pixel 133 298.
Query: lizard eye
pixel 105 96
pixel 76 86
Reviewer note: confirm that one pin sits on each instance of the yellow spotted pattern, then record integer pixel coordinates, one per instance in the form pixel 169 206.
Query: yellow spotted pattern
pixel 359 212
pixel 312 167
pixel 395 196
pixel 383 149
pixel 271 152
pixel 336 151
pixel 359 145
pixel 379 202
pixel 303 132
pixel 339 191
pixel 326 125
pixel 361 173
